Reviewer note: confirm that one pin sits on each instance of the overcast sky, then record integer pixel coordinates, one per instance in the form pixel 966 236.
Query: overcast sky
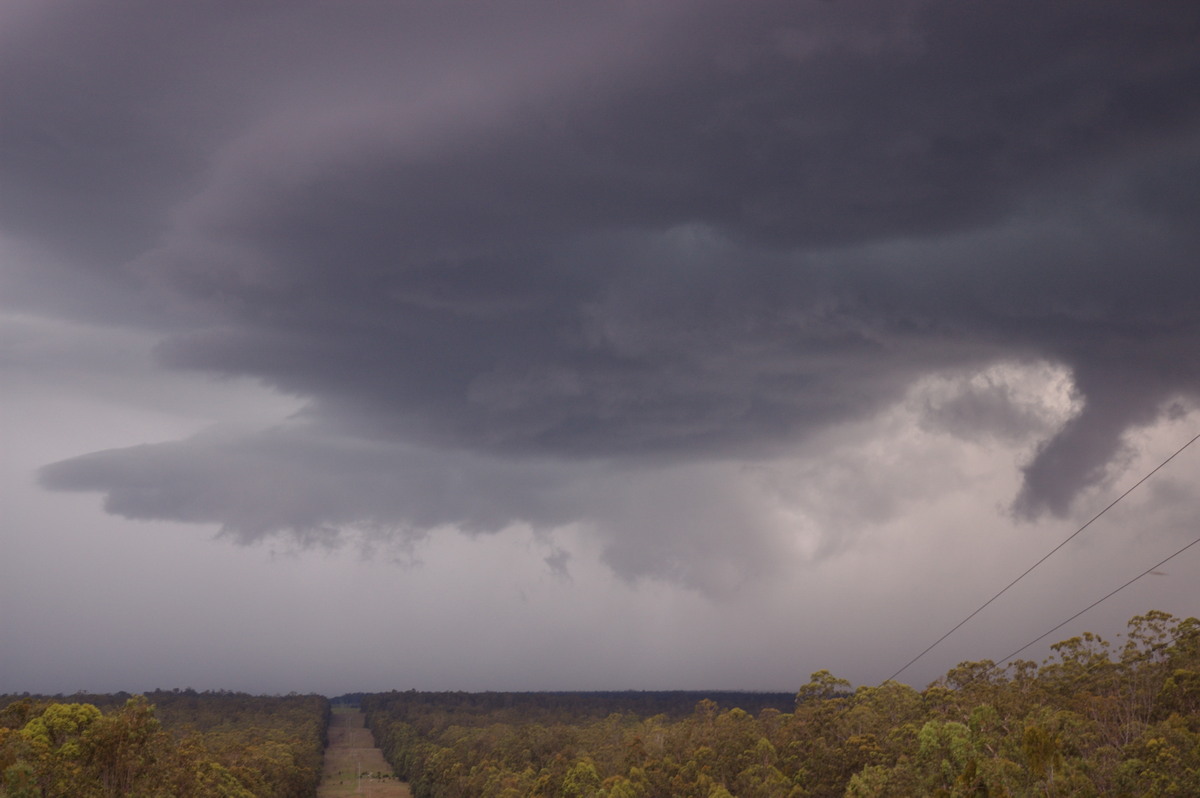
pixel 593 345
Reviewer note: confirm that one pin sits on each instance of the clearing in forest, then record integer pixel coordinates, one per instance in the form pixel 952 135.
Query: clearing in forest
pixel 353 765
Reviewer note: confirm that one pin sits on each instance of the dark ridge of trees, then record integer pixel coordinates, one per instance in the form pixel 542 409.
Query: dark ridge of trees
pixel 1093 719
pixel 565 705
pixel 166 744
pixel 348 699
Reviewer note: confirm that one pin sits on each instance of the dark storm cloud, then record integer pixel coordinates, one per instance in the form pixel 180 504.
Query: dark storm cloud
pixel 638 234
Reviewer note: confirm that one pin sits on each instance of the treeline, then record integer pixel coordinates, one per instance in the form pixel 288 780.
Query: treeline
pixel 556 707
pixel 1094 719
pixel 164 744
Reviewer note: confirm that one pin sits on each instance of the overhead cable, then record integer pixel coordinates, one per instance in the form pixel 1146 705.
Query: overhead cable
pixel 1094 603
pixel 1047 556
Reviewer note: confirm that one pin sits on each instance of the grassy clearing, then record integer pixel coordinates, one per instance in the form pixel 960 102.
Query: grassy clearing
pixel 352 752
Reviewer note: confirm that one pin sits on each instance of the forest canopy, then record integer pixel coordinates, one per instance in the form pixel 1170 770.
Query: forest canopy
pixel 1096 718
pixel 176 744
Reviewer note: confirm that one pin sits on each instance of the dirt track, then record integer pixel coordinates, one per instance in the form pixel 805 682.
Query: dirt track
pixel 352 752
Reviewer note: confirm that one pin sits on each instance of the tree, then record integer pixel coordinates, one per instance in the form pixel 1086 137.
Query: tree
pixel 581 781
pixel 121 748
pixel 20 781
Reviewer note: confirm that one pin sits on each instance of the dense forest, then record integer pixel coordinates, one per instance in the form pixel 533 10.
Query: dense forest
pixel 177 744
pixel 1094 719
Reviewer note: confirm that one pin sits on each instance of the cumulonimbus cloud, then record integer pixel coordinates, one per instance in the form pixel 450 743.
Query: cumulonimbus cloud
pixel 620 239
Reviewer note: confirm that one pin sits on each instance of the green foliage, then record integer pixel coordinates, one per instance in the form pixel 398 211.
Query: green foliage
pixel 581 781
pixel 1094 719
pixel 1165 760
pixel 20 781
pixel 195 746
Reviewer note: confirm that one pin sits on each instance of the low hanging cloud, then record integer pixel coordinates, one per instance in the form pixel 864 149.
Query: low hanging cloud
pixel 694 524
pixel 258 483
pixel 712 524
pixel 518 260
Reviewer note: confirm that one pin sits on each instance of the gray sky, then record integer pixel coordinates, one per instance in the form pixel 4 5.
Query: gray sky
pixel 541 345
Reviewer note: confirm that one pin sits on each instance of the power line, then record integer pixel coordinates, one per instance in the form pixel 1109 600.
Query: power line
pixel 1051 553
pixel 1094 603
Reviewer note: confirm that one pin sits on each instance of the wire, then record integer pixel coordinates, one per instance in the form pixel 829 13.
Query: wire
pixel 1051 553
pixel 1094 603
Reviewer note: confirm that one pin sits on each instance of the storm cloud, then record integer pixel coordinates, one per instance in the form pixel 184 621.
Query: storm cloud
pixel 599 265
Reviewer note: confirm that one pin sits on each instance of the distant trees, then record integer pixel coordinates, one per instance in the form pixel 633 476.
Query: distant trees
pixel 1091 720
